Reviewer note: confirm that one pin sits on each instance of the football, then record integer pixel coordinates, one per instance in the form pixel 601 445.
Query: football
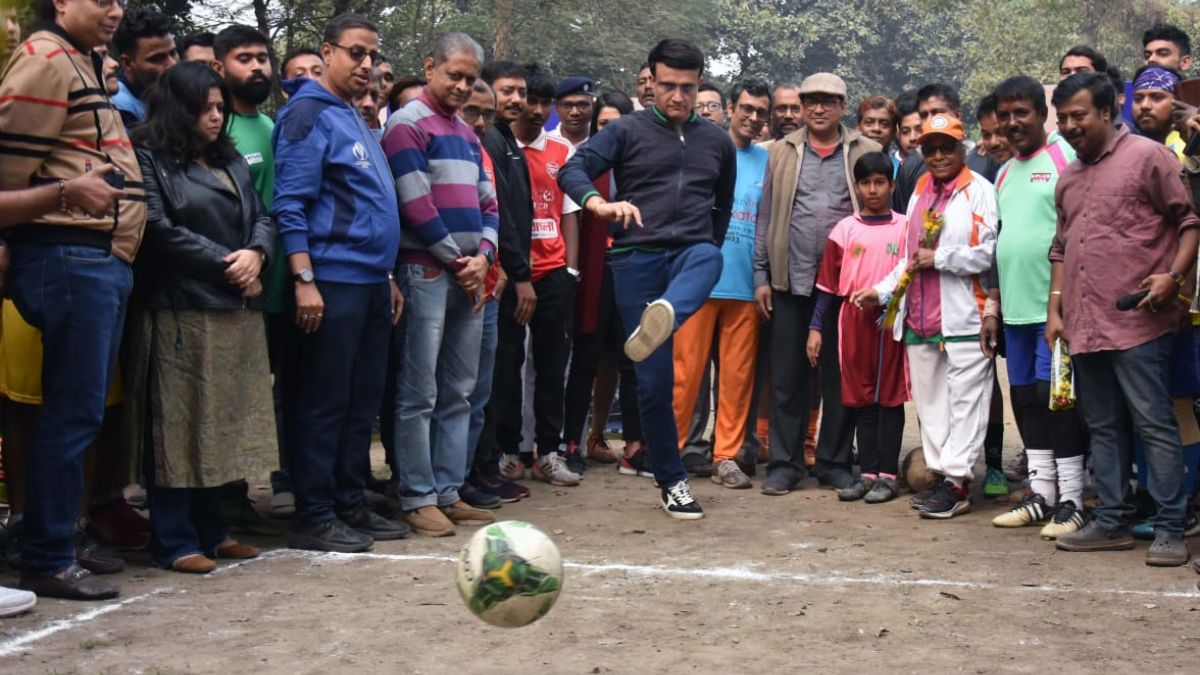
pixel 913 471
pixel 509 574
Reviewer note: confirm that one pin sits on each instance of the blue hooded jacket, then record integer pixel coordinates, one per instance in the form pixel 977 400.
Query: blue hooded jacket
pixel 334 194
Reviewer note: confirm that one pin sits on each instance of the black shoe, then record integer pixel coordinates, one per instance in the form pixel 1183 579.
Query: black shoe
pixel 919 498
pixel 696 464
pixel 73 583
pixel 374 525
pixel 948 500
pixel 678 502
pixel 780 482
pixel 241 516
pixel 747 460
pixel 478 498
pixel 835 479
pixel 857 490
pixel 94 556
pixel 575 464
pixel 381 504
pixel 332 535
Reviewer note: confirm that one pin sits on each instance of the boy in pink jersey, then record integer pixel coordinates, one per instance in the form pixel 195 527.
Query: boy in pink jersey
pixel 862 249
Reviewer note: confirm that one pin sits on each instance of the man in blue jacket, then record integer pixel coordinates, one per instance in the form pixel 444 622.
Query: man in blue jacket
pixel 335 206
pixel 675 173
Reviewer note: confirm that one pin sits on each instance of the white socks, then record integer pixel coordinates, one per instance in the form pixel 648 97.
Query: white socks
pixel 1071 477
pixel 1043 474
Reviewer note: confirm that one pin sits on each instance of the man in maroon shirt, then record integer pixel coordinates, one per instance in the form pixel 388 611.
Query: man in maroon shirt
pixel 1124 225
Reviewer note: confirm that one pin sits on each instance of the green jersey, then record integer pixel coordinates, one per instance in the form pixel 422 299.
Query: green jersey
pixel 252 136
pixel 1028 220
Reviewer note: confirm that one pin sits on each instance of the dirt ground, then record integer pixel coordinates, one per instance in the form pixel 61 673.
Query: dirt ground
pixel 762 583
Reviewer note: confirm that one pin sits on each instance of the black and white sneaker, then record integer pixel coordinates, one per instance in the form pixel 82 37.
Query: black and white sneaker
pixel 947 501
pixel 1065 519
pixel 1031 511
pixel 678 502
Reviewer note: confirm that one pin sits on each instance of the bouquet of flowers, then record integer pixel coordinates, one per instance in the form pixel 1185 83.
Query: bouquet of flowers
pixel 1062 378
pixel 933 227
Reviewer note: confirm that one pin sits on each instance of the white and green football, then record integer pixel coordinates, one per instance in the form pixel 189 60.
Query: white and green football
pixel 509 574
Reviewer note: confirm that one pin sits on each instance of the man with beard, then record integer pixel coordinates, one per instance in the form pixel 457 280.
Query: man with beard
pixel 243 58
pixel 146 49
pixel 1122 200
pixel 573 99
pixel 1153 103
pixel 786 113
pixel 447 244
pixel 336 210
pixel 554 244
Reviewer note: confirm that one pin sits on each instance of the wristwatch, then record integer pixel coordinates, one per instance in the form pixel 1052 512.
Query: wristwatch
pixel 304 276
pixel 1178 278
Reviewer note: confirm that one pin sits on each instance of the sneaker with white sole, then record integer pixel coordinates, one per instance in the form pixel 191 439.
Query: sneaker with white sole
pixel 1031 511
pixel 14 601
pixel 552 468
pixel 678 502
pixel 511 467
pixel 654 328
pixel 730 475
pixel 1065 519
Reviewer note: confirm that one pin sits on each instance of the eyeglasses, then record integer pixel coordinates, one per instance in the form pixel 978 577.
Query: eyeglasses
pixel 471 113
pixel 357 54
pixel 576 105
pixel 707 105
pixel 751 111
pixel 944 147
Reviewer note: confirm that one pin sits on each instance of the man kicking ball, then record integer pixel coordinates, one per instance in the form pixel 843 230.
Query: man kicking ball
pixel 675 172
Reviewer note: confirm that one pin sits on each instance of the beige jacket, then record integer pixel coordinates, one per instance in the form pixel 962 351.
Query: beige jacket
pixel 775 207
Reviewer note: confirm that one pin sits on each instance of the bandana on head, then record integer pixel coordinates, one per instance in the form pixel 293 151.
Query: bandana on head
pixel 1156 78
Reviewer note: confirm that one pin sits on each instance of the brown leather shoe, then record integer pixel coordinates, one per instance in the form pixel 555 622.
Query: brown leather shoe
pixel 462 513
pixel 233 549
pixel 196 563
pixel 429 521
pixel 73 583
pixel 598 450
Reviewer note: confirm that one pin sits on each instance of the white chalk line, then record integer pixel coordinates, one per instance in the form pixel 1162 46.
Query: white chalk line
pixel 834 579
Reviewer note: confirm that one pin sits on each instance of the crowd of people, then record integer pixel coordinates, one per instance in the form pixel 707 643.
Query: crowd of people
pixel 477 258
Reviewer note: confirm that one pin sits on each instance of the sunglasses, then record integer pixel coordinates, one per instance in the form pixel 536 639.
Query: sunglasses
pixel 944 147
pixel 357 54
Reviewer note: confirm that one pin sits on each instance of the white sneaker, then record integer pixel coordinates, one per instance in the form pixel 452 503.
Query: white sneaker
pixel 654 328
pixel 14 601
pixel 282 505
pixel 552 468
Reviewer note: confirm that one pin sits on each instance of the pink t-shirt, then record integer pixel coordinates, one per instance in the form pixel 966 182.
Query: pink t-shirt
pixel 924 295
pixel 860 253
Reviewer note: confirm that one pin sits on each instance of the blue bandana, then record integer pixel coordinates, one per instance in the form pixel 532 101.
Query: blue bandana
pixel 1157 78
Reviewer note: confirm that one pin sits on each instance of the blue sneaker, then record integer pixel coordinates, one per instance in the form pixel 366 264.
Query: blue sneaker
pixel 1144 532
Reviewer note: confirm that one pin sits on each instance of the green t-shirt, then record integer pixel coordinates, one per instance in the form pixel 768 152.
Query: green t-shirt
pixel 252 136
pixel 1025 199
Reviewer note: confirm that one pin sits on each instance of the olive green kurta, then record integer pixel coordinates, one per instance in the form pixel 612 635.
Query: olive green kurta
pixel 205 377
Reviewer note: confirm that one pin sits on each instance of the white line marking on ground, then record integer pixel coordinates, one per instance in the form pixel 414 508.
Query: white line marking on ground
pixel 833 579
pixel 22 641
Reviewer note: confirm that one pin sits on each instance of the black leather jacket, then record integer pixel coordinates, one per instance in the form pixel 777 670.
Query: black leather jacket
pixel 193 221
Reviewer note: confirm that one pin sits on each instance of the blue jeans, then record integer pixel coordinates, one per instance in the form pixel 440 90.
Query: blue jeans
pixel 439 364
pixel 683 277
pixel 483 383
pixel 183 521
pixel 1120 393
pixel 75 295
pixel 341 373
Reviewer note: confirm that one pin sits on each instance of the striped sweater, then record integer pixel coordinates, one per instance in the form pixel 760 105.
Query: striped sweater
pixel 447 204
pixel 56 122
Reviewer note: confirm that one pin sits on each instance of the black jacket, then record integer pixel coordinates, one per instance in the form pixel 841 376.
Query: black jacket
pixel 193 221
pixel 681 181
pixel 515 201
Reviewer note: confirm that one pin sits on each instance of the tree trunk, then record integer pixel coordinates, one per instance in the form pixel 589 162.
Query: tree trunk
pixel 502 46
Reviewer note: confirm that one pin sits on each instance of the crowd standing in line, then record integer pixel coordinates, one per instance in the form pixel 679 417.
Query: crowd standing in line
pixel 199 294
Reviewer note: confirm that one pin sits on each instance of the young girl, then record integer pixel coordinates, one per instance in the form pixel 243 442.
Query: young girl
pixel 862 249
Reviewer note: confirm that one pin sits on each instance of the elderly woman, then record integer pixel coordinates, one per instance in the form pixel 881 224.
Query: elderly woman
pixel 198 369
pixel 937 304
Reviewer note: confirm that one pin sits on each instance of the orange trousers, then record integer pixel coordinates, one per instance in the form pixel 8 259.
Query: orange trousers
pixel 738 346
